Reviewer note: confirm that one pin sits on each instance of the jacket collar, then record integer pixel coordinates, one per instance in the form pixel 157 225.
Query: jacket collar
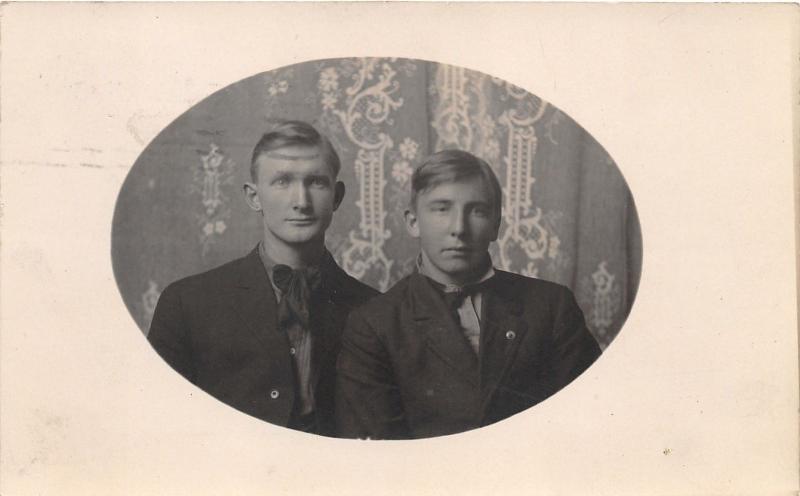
pixel 255 302
pixel 426 303
pixel 442 334
pixel 250 272
pixel 257 307
pixel 502 329
pixel 422 268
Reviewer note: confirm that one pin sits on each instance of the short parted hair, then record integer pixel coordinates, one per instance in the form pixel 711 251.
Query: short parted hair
pixel 295 133
pixel 452 166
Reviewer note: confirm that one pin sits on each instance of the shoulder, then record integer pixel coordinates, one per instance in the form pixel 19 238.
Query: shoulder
pixel 530 287
pixel 385 306
pixel 396 296
pixel 210 281
pixel 349 289
pixel 193 299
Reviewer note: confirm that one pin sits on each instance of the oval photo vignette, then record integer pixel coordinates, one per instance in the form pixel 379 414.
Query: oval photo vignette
pixel 568 214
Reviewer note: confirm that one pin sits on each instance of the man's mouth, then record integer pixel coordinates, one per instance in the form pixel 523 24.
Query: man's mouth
pixel 301 221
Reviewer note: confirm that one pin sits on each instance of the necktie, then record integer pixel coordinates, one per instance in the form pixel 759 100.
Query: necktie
pixel 455 298
pixel 470 321
pixel 296 286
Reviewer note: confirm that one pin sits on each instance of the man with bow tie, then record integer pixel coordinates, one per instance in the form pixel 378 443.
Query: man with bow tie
pixel 262 333
pixel 458 344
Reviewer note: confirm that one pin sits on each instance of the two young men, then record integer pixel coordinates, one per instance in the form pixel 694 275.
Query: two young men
pixel 455 346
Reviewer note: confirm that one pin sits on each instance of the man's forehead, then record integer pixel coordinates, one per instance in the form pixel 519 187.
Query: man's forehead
pixel 293 153
pixel 456 200
pixel 471 190
pixel 294 160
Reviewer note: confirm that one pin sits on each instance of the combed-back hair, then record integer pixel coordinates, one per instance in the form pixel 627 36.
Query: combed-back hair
pixel 295 133
pixel 452 166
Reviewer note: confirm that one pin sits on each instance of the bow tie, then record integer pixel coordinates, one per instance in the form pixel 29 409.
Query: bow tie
pixel 297 286
pixel 455 298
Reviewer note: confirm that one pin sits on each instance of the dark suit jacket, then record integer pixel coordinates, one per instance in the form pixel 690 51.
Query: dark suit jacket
pixel 219 329
pixel 407 371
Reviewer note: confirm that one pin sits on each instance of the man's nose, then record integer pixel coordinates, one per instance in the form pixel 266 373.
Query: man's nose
pixel 299 196
pixel 458 223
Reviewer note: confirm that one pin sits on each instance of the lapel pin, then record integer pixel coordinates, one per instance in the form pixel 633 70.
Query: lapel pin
pixel 511 335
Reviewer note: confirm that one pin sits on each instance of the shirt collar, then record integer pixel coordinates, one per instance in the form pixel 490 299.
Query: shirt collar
pixel 451 288
pixel 268 263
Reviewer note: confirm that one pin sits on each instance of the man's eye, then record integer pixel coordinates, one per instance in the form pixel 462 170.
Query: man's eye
pixel 480 212
pixel 281 181
pixel 319 182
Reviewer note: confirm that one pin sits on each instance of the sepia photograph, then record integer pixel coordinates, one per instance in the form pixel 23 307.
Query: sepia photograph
pixel 399 248
pixel 433 184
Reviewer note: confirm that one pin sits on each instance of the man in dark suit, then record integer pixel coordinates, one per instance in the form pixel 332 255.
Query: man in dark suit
pixel 261 333
pixel 458 344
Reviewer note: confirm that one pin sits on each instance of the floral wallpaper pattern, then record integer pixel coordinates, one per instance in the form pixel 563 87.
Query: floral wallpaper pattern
pixel 568 214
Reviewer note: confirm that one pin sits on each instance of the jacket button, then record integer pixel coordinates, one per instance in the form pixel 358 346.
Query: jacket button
pixel 274 394
pixel 511 335
pixel 292 351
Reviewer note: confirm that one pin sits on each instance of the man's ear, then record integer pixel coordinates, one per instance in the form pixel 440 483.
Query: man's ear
pixel 412 223
pixel 338 194
pixel 251 196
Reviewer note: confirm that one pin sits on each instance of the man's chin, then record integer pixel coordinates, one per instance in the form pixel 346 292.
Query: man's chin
pixel 461 269
pixel 300 237
pixel 457 269
pixel 302 240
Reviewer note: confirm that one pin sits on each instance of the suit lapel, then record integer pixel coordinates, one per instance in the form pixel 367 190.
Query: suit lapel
pixel 255 302
pixel 503 329
pixel 256 306
pixel 442 335
pixel 330 309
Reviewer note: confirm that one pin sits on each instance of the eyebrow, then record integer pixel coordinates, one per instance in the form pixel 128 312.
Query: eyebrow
pixel 293 174
pixel 436 201
pixel 450 202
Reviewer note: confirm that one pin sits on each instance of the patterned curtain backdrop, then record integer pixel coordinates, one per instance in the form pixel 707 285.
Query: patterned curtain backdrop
pixel 568 214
